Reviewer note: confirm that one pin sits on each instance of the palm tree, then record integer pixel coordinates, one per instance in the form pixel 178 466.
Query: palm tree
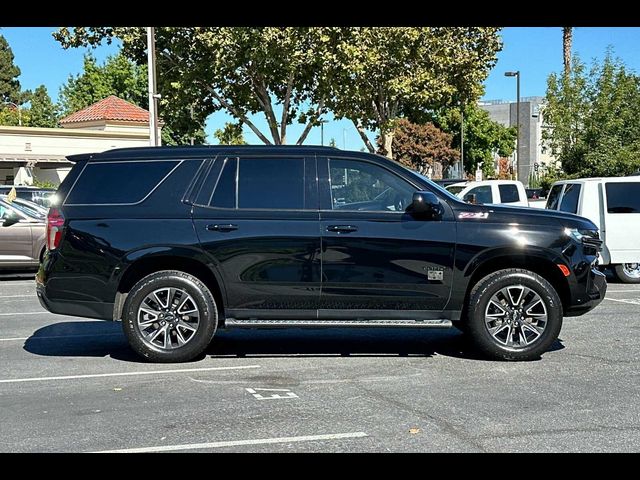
pixel 567 38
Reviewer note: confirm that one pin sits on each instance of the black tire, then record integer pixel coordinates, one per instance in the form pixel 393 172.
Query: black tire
pixel 623 276
pixel 201 295
pixel 489 286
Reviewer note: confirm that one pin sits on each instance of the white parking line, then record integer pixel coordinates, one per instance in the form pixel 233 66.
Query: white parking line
pixel 125 374
pixel 237 443
pixel 19 296
pixel 630 302
pixel 23 313
pixel 50 337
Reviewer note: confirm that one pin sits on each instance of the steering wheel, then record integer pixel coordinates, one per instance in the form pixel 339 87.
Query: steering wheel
pixel 398 203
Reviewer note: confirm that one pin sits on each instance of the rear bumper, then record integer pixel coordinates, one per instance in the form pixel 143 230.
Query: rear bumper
pixel 589 294
pixel 99 310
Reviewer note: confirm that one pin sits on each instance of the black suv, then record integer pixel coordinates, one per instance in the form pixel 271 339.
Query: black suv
pixel 179 241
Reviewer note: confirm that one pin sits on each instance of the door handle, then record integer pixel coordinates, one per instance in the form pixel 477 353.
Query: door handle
pixel 342 228
pixel 222 228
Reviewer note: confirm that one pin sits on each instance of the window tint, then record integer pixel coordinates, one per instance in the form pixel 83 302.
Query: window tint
pixel 482 193
pixel 554 196
pixel 118 183
pixel 224 195
pixel 271 183
pixel 623 197
pixel 508 193
pixel 364 186
pixel 570 198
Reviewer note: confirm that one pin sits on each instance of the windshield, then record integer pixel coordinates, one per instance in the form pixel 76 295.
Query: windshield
pixel 456 189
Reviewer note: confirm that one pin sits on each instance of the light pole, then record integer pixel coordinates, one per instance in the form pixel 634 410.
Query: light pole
pixel 153 97
pixel 344 138
pixel 322 122
pixel 517 159
pixel 461 142
pixel 19 111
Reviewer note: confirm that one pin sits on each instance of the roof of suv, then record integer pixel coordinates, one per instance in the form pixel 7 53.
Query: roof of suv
pixel 200 151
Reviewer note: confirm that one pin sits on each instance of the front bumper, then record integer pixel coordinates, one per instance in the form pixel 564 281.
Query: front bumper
pixel 587 295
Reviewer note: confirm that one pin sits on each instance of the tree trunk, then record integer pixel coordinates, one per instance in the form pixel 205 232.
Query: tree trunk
pixel 567 38
pixel 387 142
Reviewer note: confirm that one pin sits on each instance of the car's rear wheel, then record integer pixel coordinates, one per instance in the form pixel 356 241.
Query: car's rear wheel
pixel 628 272
pixel 514 314
pixel 170 316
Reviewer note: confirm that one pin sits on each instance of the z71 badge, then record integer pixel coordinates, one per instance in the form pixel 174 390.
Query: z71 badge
pixel 435 273
pixel 473 215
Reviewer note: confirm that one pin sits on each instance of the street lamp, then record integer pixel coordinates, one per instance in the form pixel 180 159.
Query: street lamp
pixel 19 111
pixel 517 159
pixel 322 122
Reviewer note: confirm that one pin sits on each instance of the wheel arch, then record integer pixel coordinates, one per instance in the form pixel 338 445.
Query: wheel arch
pixel 141 264
pixel 538 261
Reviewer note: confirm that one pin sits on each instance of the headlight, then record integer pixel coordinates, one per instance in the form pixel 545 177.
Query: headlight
pixel 579 234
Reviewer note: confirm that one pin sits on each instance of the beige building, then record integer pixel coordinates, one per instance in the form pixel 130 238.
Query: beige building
pixel 29 153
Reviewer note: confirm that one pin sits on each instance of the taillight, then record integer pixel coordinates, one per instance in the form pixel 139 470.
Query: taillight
pixel 55 221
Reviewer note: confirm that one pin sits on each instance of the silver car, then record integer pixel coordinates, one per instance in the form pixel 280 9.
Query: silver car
pixel 22 237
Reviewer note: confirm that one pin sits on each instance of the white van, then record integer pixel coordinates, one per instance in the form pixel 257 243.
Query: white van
pixel 613 204
pixel 509 192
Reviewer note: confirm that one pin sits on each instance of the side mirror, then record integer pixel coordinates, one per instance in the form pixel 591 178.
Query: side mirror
pixel 426 204
pixel 9 220
pixel 470 198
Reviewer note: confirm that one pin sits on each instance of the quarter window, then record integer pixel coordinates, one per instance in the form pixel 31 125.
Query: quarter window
pixel 118 182
pixel 363 186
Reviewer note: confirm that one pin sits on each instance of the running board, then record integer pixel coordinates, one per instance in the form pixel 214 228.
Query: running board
pixel 234 323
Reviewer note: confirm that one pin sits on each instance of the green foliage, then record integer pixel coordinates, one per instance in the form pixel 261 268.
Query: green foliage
pixel 420 146
pixel 9 72
pixel 483 138
pixel 231 134
pixel 44 183
pixel 551 174
pixel 42 112
pixel 363 74
pixel 593 119
pixel 380 70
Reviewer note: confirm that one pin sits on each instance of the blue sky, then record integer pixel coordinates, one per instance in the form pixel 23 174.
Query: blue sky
pixel 535 51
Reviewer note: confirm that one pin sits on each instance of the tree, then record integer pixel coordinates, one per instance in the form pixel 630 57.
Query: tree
pixel 9 73
pixel 230 134
pixel 282 73
pixel 483 138
pixel 380 70
pixel 43 112
pixel 124 78
pixel 421 147
pixel 592 119
pixel 567 39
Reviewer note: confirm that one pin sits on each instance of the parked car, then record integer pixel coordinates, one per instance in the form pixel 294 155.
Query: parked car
pixel 613 204
pixel 534 193
pixel 41 196
pixel 178 242
pixel 491 192
pixel 30 208
pixel 22 241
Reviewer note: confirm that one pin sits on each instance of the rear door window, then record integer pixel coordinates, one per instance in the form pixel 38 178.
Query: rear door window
pixel 119 183
pixel 570 198
pixel 271 183
pixel 508 193
pixel 623 197
pixel 554 196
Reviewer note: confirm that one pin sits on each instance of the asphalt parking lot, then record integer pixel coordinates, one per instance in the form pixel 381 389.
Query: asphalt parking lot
pixel 70 384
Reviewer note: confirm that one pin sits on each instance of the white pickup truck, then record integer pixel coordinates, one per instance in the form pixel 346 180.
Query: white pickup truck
pixel 509 192
pixel 613 204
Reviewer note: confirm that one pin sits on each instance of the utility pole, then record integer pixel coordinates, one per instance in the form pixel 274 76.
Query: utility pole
pixel 191 108
pixel 517 156
pixel 153 97
pixel 461 143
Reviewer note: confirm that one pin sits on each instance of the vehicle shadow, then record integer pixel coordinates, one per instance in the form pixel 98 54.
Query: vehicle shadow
pixel 101 339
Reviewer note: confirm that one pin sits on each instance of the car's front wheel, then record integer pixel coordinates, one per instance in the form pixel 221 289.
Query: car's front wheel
pixel 628 272
pixel 170 316
pixel 514 314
